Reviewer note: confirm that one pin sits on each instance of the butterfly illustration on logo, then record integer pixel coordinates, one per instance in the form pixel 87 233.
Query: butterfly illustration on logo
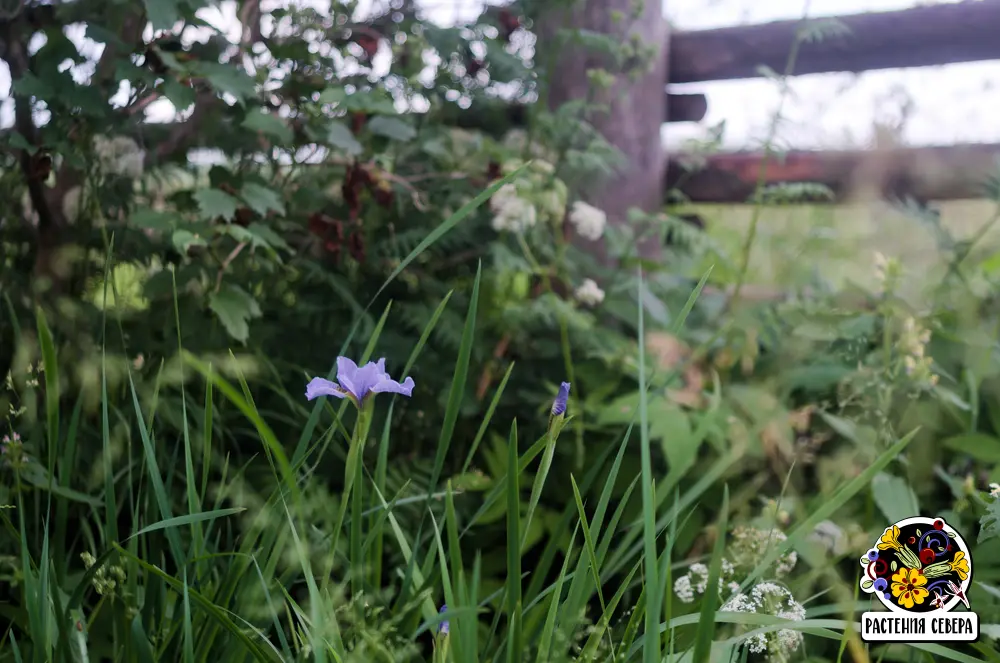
pixel 955 590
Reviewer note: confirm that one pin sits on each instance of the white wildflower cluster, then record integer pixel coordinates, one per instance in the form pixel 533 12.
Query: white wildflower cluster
pixel 536 197
pixel 887 272
pixel 589 293
pixel 587 220
pixel 511 212
pixel 913 343
pixel 768 598
pixel 995 490
pixel 12 451
pixel 751 544
pixel 695 581
pixel 120 156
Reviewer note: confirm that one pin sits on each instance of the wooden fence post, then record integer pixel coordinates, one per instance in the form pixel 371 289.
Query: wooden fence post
pixel 638 104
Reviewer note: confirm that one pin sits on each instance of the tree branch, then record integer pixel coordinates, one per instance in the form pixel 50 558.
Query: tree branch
pixel 15 52
pixel 250 16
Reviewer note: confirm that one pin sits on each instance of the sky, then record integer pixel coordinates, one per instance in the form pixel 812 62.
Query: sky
pixel 948 104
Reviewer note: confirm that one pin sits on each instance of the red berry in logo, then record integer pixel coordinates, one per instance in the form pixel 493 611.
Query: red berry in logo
pixel 912 540
pixel 926 556
pixel 938 524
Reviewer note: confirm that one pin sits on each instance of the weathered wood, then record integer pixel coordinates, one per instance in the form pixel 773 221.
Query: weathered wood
pixel 686 107
pixel 495 117
pixel 922 36
pixel 954 172
pixel 637 104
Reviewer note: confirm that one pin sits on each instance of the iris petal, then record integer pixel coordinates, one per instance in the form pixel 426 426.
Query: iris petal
pixel 389 386
pixel 357 383
pixel 320 387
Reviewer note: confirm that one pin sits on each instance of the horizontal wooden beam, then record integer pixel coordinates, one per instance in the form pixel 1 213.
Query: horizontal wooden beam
pixel 495 117
pixel 686 107
pixel 922 36
pixel 954 172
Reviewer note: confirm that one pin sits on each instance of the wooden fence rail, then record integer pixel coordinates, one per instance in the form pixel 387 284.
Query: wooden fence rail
pixel 918 37
pixel 951 172
pixel 922 36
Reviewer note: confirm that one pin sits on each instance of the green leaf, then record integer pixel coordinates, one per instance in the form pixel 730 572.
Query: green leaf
pixel 333 95
pixel 670 424
pixel 981 447
pixel 894 497
pixel 163 14
pixel 863 436
pixel 391 127
pixel 169 60
pixel 228 78
pixel 234 308
pixel 215 203
pixel 989 523
pixel 267 237
pixel 338 135
pixel 103 35
pixel 181 96
pixel 257 235
pixel 30 85
pixel 185 239
pixel 19 142
pixel 261 199
pixel 140 641
pixel 269 124
pixel 375 102
pixel 151 219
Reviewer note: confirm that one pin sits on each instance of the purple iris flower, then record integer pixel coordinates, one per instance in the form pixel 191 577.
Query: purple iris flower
pixel 559 405
pixel 443 626
pixel 357 383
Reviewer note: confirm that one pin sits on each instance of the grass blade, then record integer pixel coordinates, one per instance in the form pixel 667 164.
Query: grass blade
pixel 549 629
pixel 651 637
pixel 829 507
pixel 189 518
pixel 514 624
pixel 706 621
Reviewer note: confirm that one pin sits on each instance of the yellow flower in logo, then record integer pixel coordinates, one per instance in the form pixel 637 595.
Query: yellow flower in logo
pixel 890 539
pixel 960 565
pixel 908 587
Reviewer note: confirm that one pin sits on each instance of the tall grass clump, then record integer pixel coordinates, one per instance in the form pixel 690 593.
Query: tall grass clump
pixel 178 558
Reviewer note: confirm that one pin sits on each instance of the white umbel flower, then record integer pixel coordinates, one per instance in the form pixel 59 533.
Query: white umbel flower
pixel 512 213
pixel 517 216
pixel 995 490
pixel 588 221
pixel 768 598
pixel 503 197
pixel 590 293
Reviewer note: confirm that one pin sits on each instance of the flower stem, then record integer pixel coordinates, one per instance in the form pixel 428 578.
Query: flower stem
pixel 352 469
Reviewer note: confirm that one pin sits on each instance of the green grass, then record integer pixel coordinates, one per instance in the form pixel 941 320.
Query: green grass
pixel 839 241
pixel 199 581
